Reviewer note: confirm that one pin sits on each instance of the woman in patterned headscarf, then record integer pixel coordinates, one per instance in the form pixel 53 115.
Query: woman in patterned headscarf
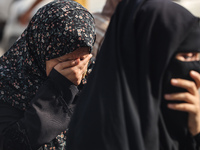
pixel 51 54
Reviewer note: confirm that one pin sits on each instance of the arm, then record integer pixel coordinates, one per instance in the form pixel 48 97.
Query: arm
pixel 48 116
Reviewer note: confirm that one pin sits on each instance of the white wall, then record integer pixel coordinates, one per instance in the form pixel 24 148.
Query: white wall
pixel 192 5
pixel 95 5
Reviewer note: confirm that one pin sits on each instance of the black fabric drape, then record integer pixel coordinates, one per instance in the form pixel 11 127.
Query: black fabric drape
pixel 48 116
pixel 119 108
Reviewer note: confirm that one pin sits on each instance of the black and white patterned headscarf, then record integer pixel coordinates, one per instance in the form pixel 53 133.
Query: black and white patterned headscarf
pixel 58 28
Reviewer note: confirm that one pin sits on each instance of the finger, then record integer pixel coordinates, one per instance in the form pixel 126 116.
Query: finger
pixel 66 64
pixel 84 70
pixel 84 56
pixel 86 59
pixel 84 62
pixel 186 97
pixel 186 107
pixel 75 54
pixel 66 57
pixel 196 76
pixel 80 52
pixel 186 84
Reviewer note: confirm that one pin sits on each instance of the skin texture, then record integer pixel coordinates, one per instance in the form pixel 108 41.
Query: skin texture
pixel 192 105
pixel 72 65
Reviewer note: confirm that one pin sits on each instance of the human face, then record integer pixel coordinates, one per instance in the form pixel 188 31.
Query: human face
pixel 78 53
pixel 191 56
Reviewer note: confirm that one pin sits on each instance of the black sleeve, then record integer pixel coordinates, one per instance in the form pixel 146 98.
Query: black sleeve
pixel 197 139
pixel 47 117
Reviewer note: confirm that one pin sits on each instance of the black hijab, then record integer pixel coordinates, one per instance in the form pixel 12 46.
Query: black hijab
pixel 57 28
pixel 119 108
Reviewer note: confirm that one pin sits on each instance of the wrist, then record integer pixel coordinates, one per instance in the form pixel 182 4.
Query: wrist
pixel 197 138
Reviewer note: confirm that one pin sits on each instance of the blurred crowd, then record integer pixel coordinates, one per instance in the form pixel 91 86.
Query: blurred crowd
pixel 14 17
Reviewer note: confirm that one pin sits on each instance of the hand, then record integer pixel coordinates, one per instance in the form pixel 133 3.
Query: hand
pixel 80 53
pixel 74 73
pixel 192 105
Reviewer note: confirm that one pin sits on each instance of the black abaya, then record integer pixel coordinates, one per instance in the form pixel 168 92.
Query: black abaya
pixel 119 108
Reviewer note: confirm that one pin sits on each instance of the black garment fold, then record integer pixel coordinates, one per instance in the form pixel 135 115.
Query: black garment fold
pixel 119 108
pixel 47 117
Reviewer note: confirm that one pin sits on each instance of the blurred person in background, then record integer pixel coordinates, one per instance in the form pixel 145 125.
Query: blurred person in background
pixel 25 17
pixel 4 11
pixel 17 14
pixel 102 20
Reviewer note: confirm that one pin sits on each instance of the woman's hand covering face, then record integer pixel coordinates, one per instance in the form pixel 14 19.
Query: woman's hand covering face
pixel 72 65
pixel 191 99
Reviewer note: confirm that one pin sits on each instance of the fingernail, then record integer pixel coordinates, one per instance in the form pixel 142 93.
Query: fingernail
pixel 194 72
pixel 75 62
pixel 174 81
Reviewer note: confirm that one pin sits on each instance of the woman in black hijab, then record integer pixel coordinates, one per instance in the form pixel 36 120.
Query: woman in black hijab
pixel 123 107
pixel 59 37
